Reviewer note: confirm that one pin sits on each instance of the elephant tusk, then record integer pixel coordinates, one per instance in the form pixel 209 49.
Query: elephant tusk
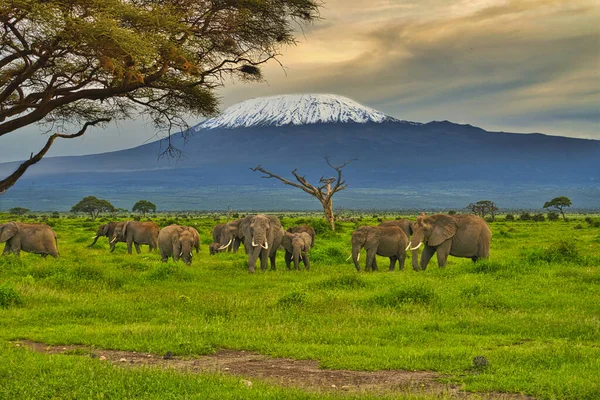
pixel 415 248
pixel 265 246
pixel 94 237
pixel 407 247
pixel 191 255
pixel 349 257
pixel 114 240
pixel 226 245
pixel 358 258
pixel 254 244
pixel 181 254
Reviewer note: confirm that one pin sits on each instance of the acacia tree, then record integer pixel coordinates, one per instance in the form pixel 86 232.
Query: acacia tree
pixel 93 206
pixel 559 203
pixel 82 63
pixel 483 208
pixel 144 207
pixel 324 193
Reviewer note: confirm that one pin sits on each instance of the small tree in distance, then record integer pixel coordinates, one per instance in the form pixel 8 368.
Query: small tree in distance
pixel 93 206
pixel 18 211
pixel 144 207
pixel 483 208
pixel 559 203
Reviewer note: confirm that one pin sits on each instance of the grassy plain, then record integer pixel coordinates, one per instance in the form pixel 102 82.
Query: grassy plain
pixel 532 310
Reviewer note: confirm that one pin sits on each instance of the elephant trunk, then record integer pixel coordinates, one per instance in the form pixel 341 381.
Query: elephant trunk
pixel 296 256
pixel 95 240
pixel 356 255
pixel 186 252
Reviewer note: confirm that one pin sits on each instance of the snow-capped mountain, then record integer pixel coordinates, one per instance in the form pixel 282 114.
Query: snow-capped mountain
pixel 295 109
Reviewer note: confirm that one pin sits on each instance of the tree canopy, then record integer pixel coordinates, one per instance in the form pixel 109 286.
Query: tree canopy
pixel 558 203
pixel 144 207
pixel 85 62
pixel 483 208
pixel 93 206
pixel 18 211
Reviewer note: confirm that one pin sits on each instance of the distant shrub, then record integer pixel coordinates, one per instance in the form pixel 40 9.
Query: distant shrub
pixel 9 297
pixel 561 251
pixel 55 215
pixel 552 216
pixel 578 226
pixel 452 212
pixel 539 217
pixel 320 226
pixel 589 220
pixel 235 215
pixel 32 216
pixel 489 219
pixel 406 295
pixel 509 217
pixel 525 216
pixel 136 218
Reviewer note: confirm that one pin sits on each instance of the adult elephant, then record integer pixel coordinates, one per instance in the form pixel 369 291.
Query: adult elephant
pixel 407 227
pixel 31 238
pixel 177 241
pixel 386 241
pixel 297 246
pixel 231 236
pixel 107 230
pixel 304 228
pixel 463 235
pixel 137 233
pixel 262 237
pixel 216 235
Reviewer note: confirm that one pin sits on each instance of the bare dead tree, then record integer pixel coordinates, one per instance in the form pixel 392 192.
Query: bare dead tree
pixel 323 193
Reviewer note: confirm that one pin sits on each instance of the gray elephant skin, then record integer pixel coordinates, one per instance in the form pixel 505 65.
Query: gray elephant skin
pixel 137 233
pixel 262 237
pixel 178 241
pixel 297 246
pixel 216 235
pixel 31 238
pixel 386 241
pixel 107 230
pixel 304 228
pixel 407 227
pixel 214 248
pixel 231 236
pixel 466 236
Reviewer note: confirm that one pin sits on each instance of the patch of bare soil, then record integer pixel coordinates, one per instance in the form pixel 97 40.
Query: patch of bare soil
pixel 303 374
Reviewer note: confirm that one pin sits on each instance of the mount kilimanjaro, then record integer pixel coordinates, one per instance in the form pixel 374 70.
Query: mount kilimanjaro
pixel 398 164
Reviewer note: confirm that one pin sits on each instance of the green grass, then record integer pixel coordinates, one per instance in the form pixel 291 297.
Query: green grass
pixel 532 310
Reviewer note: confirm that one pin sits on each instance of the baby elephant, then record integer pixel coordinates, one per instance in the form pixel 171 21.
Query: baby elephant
pixel 32 238
pixel 296 247
pixel 386 241
pixel 214 248
pixel 177 241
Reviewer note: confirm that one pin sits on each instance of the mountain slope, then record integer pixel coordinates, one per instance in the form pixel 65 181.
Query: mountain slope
pixel 398 165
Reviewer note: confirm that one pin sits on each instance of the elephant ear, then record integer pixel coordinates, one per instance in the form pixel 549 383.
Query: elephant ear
pixel 410 227
pixel 9 230
pixel 443 229
pixel 286 241
pixel 123 232
pixel 372 234
pixel 105 228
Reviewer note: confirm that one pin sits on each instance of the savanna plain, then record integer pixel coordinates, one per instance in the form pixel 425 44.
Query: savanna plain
pixel 531 313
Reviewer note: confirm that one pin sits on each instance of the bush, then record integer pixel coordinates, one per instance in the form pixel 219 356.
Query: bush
pixel 539 217
pixel 452 212
pixel 9 297
pixel 509 217
pixel 562 251
pixel 406 295
pixel 552 216
pixel 525 216
pixel 55 215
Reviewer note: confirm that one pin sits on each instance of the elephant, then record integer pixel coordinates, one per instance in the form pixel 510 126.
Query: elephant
pixel 304 228
pixel 108 231
pixel 466 236
pixel 406 226
pixel 296 247
pixel 177 241
pixel 231 236
pixel 262 237
pixel 214 248
pixel 216 235
pixel 32 238
pixel 386 241
pixel 134 232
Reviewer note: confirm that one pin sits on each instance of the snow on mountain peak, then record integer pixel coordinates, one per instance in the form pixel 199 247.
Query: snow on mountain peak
pixel 295 109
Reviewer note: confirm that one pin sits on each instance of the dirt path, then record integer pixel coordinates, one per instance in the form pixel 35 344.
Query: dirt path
pixel 303 374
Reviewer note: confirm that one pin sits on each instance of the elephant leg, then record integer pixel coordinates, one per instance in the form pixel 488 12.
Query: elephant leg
pixel 415 259
pixel 401 260
pixel 426 256
pixel 264 260
pixel 163 256
pixel 371 262
pixel 288 260
pixel 443 250
pixel 129 250
pixel 306 261
pixel 393 262
pixel 474 258
pixel 272 259
pixel 137 247
pixel 112 247
pixel 6 249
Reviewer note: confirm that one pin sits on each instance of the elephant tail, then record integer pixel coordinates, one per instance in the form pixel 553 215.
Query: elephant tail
pixel 56 243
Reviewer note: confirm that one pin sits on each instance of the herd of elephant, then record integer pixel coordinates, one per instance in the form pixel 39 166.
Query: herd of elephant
pixel 463 235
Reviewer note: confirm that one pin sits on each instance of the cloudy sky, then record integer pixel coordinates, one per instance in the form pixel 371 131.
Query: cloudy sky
pixel 510 65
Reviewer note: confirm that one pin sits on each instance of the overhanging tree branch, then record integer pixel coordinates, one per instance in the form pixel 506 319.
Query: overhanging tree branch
pixel 12 179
